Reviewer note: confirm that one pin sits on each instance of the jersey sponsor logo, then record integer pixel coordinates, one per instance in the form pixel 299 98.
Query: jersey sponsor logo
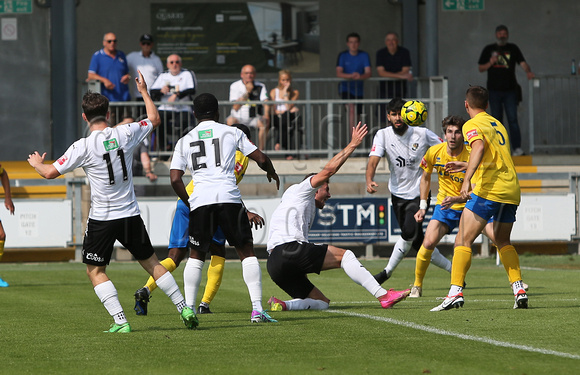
pixel 205 134
pixel 62 160
pixel 374 148
pixel 423 163
pixel 111 144
pixel 401 162
pixel 471 134
pixel 142 123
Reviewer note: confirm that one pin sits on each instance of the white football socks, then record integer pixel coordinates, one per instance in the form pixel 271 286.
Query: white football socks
pixel 306 304
pixel 107 293
pixel 191 280
pixel 253 279
pixel 440 261
pixel 168 285
pixel 401 249
pixel 360 275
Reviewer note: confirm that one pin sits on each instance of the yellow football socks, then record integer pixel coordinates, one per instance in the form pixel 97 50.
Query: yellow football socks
pixel 215 273
pixel 1 249
pixel 460 265
pixel 421 264
pixel 511 262
pixel 169 264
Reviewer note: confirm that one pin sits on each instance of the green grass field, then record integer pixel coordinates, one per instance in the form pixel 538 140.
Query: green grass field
pixel 51 322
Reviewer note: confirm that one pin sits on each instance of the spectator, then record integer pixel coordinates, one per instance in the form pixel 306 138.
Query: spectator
pixel 147 62
pixel 393 61
pixel 355 65
pixel 109 66
pixel 173 86
pixel 285 114
pixel 246 89
pixel 499 60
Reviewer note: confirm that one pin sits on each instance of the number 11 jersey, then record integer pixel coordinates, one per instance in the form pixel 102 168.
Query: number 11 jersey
pixel 107 158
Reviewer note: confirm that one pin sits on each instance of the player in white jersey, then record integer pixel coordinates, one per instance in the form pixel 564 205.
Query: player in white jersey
pixel 209 152
pixel 292 257
pixel 106 156
pixel 404 147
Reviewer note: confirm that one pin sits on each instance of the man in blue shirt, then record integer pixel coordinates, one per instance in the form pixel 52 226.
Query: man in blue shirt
pixel 109 66
pixel 354 65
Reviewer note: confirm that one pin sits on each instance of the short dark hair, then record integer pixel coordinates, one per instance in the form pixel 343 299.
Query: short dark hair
pixel 453 120
pixel 245 129
pixel 395 105
pixel 501 28
pixel 95 106
pixel 205 106
pixel 353 35
pixel 477 97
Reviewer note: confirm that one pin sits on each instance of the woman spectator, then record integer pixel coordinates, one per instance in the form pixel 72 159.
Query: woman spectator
pixel 285 114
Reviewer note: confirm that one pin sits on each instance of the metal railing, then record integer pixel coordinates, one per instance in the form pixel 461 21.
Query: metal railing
pixel 322 125
pixel 554 114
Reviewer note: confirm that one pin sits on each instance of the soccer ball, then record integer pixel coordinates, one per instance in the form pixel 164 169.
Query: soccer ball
pixel 414 113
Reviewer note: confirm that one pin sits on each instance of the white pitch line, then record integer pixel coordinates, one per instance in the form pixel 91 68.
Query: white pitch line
pixel 458 335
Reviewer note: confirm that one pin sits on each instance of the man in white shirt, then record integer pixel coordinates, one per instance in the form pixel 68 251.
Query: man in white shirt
pixel 176 85
pixel 209 152
pixel 145 61
pixel 292 257
pixel 106 156
pixel 252 115
pixel 404 147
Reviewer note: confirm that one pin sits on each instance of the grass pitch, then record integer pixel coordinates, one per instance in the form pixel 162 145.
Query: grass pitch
pixel 51 322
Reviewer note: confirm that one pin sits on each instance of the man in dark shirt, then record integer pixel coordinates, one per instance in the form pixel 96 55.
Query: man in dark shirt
pixel 499 60
pixel 393 61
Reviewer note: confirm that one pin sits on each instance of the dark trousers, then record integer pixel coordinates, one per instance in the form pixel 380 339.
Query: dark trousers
pixel 508 101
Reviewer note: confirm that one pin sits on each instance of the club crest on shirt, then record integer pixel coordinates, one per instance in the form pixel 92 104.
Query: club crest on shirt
pixel 205 134
pixel 111 144
pixel 415 146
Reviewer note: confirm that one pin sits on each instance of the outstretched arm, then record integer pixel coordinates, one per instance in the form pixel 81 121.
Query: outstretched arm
pixel 358 134
pixel 47 171
pixel 151 109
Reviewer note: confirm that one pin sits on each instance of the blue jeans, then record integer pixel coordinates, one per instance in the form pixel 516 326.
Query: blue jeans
pixel 508 101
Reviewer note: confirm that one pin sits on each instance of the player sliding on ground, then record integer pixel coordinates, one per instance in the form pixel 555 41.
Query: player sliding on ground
pixel 292 257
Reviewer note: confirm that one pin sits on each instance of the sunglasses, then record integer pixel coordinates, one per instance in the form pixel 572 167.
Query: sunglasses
pixel 112 41
pixel 174 62
pixel 146 43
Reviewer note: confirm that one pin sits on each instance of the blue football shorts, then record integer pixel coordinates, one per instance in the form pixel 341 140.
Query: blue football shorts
pixel 490 210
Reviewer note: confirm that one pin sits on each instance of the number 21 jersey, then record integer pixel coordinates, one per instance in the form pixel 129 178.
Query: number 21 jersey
pixel 209 152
